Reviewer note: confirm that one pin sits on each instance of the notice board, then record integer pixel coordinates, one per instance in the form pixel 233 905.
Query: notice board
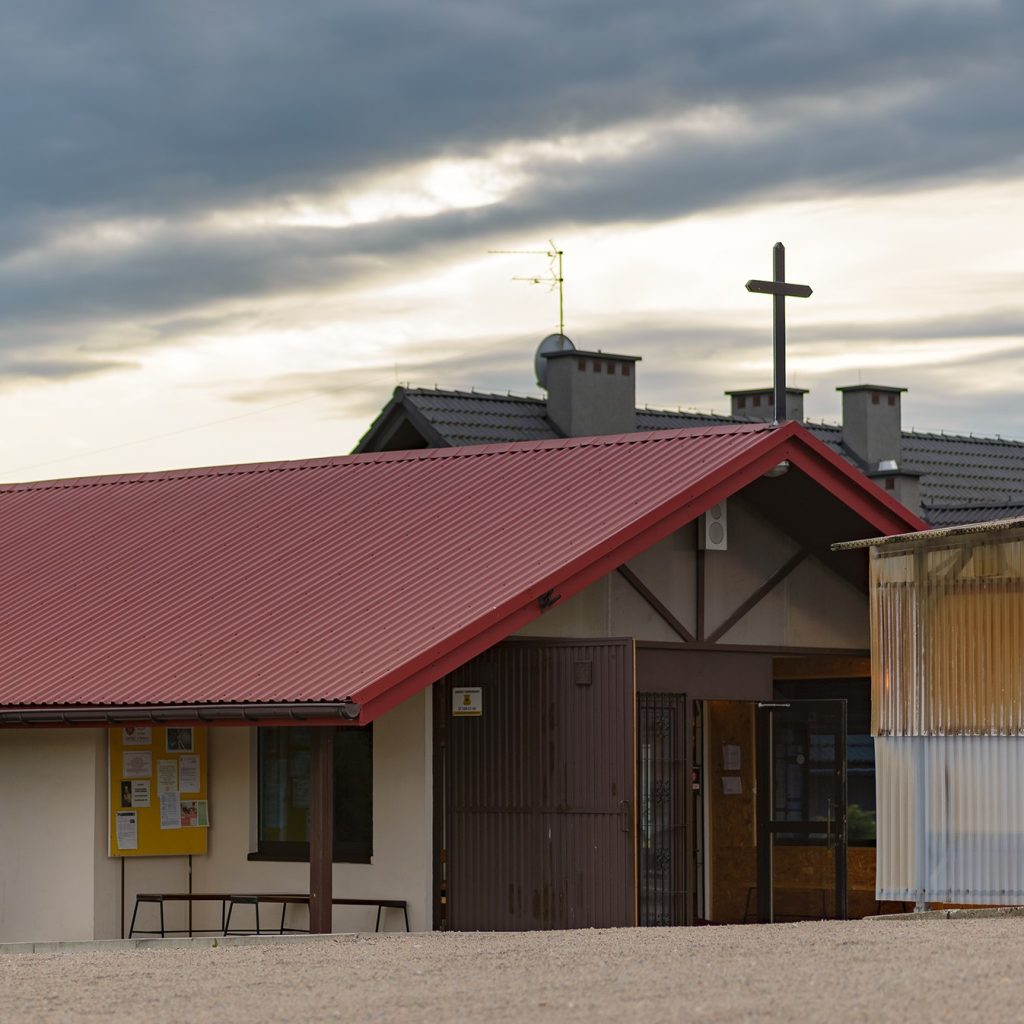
pixel 158 797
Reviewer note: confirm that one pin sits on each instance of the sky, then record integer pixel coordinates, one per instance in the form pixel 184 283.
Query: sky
pixel 228 231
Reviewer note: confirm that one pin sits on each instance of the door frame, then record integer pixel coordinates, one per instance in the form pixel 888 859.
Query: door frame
pixel 836 828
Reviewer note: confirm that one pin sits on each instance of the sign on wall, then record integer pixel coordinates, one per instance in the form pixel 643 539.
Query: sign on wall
pixel 157 791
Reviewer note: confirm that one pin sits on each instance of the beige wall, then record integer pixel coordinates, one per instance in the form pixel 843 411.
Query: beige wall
pixel 812 607
pixel 48 810
pixel 59 883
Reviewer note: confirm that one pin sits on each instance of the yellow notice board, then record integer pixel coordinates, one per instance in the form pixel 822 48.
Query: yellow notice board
pixel 158 798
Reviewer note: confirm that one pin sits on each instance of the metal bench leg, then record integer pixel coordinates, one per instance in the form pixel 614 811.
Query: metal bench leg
pixel 284 910
pixel 227 920
pixel 405 910
pixel 376 927
pixel 258 932
pixel 135 914
pixel 162 933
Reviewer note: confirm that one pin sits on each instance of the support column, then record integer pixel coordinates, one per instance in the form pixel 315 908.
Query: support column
pixel 321 828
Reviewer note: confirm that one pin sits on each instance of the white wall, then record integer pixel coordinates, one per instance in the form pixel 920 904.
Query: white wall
pixel 48 823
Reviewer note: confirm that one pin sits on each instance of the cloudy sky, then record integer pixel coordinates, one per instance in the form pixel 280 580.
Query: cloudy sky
pixel 228 230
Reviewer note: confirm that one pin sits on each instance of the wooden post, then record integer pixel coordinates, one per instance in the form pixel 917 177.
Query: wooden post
pixel 321 829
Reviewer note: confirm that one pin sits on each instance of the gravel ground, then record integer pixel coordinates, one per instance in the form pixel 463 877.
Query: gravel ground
pixel 871 971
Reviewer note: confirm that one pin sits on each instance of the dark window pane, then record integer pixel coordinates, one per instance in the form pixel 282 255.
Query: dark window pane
pixel 284 788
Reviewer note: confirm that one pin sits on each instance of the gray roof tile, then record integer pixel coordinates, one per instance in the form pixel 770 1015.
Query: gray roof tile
pixel 963 479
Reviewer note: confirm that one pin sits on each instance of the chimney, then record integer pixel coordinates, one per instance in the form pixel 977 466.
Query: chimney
pixel 873 433
pixel 591 392
pixel 759 404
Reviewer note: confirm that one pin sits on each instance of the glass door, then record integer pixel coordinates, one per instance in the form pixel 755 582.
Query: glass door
pixel 801 810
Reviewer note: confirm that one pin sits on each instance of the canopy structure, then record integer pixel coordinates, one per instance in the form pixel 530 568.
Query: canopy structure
pixel 333 589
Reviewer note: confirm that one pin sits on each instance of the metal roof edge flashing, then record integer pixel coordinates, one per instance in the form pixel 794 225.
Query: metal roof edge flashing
pixel 997 526
pixel 238 714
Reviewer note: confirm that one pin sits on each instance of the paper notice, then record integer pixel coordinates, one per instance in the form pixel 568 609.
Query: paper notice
pixel 140 793
pixel 203 813
pixel 732 785
pixel 167 776
pixel 137 735
pixel 127 830
pixel 170 810
pixel 136 764
pixel 188 773
pixel 732 757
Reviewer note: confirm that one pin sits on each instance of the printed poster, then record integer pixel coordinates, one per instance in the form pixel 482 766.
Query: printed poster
pixel 136 764
pixel 135 792
pixel 180 740
pixel 127 830
pixel 167 776
pixel 188 773
pixel 137 735
pixel 170 810
pixel 195 814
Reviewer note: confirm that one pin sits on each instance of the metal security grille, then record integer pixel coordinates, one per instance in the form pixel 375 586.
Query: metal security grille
pixel 661 796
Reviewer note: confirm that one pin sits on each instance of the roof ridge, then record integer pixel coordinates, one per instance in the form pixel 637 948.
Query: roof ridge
pixel 680 411
pixel 508 396
pixel 372 458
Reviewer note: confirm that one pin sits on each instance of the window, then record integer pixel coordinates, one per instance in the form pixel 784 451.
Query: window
pixel 283 801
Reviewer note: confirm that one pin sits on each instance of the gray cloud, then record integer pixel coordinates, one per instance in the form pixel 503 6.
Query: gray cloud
pixel 171 112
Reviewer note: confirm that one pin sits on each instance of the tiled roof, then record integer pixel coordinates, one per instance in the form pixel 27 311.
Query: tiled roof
pixel 963 479
pixel 321 581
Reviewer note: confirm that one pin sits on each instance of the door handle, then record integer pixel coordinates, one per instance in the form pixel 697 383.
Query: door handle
pixel 627 825
pixel 828 824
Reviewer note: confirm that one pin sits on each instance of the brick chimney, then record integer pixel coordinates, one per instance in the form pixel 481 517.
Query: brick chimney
pixel 591 392
pixel 759 404
pixel 873 434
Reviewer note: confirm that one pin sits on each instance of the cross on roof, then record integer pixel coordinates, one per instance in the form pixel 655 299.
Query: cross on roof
pixel 779 288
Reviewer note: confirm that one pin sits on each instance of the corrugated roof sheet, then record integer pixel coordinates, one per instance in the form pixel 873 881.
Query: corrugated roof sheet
pixel 963 479
pixel 362 577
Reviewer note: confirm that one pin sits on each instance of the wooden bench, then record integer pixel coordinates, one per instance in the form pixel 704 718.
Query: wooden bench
pixel 228 901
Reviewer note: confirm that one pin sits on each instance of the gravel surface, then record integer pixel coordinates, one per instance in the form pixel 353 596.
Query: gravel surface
pixel 871 971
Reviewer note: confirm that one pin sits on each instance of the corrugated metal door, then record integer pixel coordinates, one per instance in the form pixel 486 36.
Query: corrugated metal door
pixel 540 826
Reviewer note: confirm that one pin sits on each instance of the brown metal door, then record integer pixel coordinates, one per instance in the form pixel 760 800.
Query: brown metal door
pixel 540 787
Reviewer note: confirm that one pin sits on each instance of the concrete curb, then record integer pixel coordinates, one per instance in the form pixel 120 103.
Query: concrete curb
pixel 177 942
pixel 951 915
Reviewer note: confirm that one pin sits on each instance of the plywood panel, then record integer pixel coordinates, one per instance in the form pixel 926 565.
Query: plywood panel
pixel 732 843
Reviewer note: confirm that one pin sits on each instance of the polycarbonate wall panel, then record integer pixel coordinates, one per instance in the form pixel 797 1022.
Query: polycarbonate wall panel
pixel 947 618
pixel 950 819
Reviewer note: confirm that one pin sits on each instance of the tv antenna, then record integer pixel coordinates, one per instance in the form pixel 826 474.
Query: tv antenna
pixel 553 277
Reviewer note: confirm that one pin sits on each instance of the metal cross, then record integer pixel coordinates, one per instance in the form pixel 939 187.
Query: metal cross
pixel 779 289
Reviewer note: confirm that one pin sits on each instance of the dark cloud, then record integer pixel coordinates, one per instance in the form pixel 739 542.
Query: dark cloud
pixel 167 113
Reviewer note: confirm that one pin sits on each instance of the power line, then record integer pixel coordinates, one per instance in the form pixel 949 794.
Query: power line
pixel 158 437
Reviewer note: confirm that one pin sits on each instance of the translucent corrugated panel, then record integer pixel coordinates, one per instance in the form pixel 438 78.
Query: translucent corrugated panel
pixel 950 816
pixel 947 620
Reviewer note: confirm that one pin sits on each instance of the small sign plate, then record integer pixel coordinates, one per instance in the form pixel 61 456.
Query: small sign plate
pixel 467 702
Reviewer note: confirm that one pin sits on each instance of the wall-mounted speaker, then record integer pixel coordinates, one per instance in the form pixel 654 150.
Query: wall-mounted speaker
pixel 713 529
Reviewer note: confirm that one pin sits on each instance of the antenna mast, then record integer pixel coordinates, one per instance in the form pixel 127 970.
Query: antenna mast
pixel 553 276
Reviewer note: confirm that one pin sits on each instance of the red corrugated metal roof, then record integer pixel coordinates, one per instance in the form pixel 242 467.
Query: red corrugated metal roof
pixel 364 577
